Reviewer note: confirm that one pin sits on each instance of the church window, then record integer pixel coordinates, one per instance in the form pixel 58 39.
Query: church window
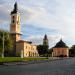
pixel 29 53
pixel 13 21
pixel 26 47
pixel 13 17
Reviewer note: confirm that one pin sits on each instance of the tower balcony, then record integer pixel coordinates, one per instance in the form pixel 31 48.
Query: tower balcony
pixel 16 33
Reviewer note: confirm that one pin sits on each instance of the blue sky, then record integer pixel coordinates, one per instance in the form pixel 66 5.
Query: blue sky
pixel 56 18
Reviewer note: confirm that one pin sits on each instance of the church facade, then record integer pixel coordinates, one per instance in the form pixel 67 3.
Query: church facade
pixel 20 47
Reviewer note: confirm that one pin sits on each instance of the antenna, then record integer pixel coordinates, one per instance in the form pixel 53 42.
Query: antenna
pixel 60 37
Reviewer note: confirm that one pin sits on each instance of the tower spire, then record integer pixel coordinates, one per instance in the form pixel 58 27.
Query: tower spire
pixel 45 40
pixel 15 6
pixel 45 37
pixel 15 10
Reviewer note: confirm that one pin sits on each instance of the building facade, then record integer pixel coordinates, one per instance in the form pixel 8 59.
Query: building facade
pixel 60 50
pixel 26 49
pixel 20 47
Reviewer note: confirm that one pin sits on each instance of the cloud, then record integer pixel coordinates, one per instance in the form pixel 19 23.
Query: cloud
pixel 38 39
pixel 60 17
pixel 54 17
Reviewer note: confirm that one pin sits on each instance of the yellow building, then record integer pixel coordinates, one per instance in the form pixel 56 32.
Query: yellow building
pixel 20 47
pixel 26 49
pixel 60 50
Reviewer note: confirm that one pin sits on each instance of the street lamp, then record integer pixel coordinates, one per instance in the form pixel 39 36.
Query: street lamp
pixel 2 26
pixel 3 46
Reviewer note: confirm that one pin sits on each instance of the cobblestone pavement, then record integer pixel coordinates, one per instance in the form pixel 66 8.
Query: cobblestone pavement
pixel 57 67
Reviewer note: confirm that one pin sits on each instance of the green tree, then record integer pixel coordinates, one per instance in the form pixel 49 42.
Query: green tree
pixel 50 52
pixel 7 42
pixel 42 50
pixel 72 51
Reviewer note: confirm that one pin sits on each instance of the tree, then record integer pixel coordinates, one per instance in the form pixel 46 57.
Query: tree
pixel 42 50
pixel 72 51
pixel 7 42
pixel 50 51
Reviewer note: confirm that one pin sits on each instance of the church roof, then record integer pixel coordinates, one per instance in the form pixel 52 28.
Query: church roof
pixel 61 44
pixel 45 37
pixel 15 9
pixel 25 41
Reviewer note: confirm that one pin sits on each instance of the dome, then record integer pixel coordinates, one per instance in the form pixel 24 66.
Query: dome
pixel 61 44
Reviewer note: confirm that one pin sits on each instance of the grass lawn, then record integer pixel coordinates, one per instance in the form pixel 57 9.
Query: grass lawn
pixel 10 59
pixel 15 59
pixel 32 59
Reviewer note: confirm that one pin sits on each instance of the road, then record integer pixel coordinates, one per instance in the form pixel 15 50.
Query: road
pixel 57 67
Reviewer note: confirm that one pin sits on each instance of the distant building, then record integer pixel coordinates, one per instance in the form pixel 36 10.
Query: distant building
pixel 60 50
pixel 45 40
pixel 20 47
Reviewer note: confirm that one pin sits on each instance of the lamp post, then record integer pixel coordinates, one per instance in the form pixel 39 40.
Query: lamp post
pixel 2 26
pixel 3 46
pixel 22 53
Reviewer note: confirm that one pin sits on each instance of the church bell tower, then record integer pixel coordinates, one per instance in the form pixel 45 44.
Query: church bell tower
pixel 45 40
pixel 15 26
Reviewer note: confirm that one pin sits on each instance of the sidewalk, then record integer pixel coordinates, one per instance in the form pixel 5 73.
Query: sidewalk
pixel 30 62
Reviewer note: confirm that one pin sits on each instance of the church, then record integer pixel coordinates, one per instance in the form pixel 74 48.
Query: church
pixel 24 48
pixel 60 50
pixel 21 47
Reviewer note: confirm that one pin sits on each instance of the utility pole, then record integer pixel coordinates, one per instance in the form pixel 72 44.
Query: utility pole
pixel 3 46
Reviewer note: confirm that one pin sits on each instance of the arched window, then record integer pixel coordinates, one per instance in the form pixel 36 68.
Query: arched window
pixel 29 54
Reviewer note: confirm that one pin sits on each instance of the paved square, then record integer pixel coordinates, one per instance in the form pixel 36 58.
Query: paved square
pixel 57 67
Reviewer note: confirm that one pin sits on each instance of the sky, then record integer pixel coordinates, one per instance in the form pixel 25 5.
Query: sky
pixel 56 18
